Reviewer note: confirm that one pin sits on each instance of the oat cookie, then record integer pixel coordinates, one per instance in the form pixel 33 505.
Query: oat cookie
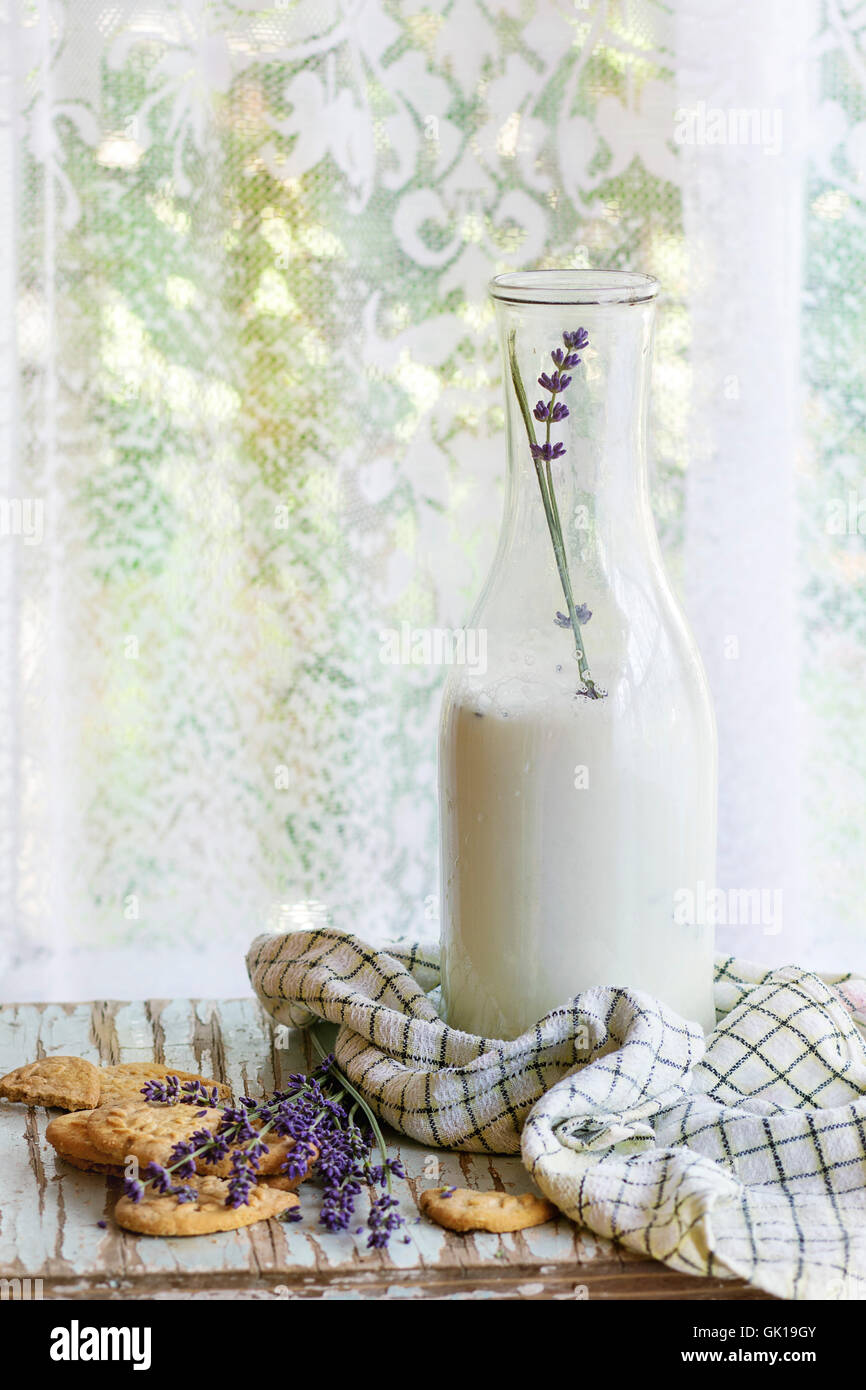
pixel 145 1129
pixel 149 1131
pixel 108 1170
pixel 269 1163
pixel 70 1083
pixel 69 1137
pixel 283 1183
pixel 124 1082
pixel 465 1210
pixel 165 1216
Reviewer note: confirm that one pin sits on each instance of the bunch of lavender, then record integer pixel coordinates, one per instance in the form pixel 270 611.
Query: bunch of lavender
pixel 549 413
pixel 311 1110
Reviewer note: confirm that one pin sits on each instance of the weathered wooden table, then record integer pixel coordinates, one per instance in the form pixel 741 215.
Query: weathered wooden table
pixel 49 1211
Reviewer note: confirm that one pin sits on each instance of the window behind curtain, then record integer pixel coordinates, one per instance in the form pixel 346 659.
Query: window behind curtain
pixel 254 387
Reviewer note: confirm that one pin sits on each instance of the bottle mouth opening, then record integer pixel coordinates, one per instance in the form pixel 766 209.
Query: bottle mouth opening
pixel 574 287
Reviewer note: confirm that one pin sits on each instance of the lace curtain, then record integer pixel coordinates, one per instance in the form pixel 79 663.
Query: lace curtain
pixel 251 419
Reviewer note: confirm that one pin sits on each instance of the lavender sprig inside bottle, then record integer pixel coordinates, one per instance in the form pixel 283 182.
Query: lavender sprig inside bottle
pixel 549 413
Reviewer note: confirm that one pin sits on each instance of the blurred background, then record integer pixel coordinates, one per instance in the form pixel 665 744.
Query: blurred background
pixel 251 418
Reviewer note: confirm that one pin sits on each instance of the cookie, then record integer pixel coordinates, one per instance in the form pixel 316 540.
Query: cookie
pixel 464 1210
pixel 165 1216
pixel 283 1183
pixel 269 1163
pixel 124 1082
pixel 69 1137
pixel 149 1132
pixel 70 1083
pixel 108 1170
pixel 145 1129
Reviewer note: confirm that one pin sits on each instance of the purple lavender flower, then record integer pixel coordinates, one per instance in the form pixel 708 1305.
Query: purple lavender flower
pixel 382 1221
pixel 554 383
pixel 577 340
pixel 300 1158
pixel 582 613
pixel 158 1177
pixel 171 1092
pixel 133 1189
pixel 182 1160
pixel 195 1093
pixel 548 451
pixel 166 1091
pixel 244 1167
pixel 555 411
pixel 236 1122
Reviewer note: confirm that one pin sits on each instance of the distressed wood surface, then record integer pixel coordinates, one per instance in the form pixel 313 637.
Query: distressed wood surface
pixel 49 1211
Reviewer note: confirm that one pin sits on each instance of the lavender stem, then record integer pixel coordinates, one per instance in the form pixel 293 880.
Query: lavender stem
pixel 551 512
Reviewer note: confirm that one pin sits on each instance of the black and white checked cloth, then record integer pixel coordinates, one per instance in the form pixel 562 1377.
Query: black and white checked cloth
pixel 742 1156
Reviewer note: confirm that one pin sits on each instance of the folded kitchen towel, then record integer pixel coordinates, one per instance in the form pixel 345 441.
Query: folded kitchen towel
pixel 742 1155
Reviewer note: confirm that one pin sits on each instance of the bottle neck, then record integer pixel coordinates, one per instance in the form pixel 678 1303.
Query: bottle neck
pixel 599 483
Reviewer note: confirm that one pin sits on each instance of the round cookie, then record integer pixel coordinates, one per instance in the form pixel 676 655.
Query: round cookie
pixel 149 1131
pixel 145 1129
pixel 124 1082
pixel 465 1210
pixel 70 1083
pixel 108 1170
pixel 69 1137
pixel 283 1183
pixel 157 1215
pixel 269 1163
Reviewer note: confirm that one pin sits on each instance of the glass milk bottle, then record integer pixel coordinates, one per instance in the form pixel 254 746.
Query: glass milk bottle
pixel 577 762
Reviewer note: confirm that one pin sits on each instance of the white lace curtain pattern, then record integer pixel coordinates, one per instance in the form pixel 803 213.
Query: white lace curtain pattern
pixel 250 415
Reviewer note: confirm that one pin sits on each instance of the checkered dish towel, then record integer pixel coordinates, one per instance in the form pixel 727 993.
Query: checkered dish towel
pixel 744 1156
